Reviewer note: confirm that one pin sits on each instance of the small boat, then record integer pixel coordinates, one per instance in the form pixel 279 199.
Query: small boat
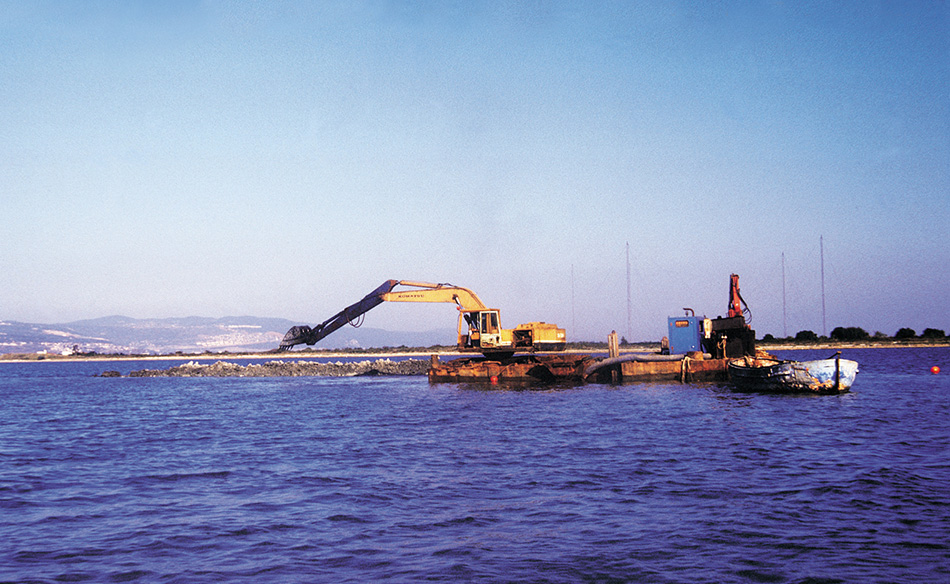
pixel 767 373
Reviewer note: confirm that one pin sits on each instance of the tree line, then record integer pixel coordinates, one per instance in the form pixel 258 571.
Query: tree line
pixel 854 333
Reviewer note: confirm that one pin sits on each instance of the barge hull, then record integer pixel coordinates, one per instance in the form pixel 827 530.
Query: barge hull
pixel 572 369
pixel 526 368
pixel 684 371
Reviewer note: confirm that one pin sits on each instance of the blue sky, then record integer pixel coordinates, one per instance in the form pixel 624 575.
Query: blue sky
pixel 283 159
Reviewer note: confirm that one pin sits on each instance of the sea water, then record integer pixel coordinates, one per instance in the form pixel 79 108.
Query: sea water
pixel 395 479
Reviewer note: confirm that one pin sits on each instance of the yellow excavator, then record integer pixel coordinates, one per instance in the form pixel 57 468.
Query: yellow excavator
pixel 479 328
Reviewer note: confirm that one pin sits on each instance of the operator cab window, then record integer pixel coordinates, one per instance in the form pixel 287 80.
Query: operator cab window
pixel 489 322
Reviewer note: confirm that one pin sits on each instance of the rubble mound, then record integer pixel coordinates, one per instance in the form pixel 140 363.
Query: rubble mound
pixel 290 369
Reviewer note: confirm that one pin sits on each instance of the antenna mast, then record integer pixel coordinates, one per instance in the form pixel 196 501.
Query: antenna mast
pixel 784 312
pixel 629 327
pixel 573 326
pixel 821 244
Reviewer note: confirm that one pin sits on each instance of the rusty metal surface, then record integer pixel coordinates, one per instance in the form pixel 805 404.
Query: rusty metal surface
pixel 539 367
pixel 553 368
pixel 684 371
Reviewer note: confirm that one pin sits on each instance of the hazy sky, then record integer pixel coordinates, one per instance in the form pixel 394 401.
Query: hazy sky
pixel 284 159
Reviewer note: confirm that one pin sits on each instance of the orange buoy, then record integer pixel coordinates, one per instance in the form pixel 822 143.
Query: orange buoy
pixel 935 370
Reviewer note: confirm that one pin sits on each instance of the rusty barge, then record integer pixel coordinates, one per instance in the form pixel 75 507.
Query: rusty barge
pixel 579 368
pixel 697 349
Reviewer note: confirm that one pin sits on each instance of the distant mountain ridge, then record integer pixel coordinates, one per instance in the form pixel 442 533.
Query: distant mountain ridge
pixel 193 334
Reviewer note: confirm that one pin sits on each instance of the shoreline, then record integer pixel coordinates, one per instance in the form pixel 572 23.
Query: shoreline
pixel 416 353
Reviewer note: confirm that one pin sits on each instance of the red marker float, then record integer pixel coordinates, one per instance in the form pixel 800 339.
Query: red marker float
pixel 935 370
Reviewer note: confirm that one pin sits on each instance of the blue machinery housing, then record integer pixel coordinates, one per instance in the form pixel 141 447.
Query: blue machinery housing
pixel 686 334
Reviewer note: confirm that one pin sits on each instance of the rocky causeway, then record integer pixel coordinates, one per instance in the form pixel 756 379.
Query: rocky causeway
pixel 286 369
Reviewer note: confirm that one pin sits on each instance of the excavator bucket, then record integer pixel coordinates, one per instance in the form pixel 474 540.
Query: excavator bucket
pixel 297 335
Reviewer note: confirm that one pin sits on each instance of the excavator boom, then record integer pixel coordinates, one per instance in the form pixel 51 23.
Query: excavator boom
pixel 422 292
pixel 426 292
pixel 484 331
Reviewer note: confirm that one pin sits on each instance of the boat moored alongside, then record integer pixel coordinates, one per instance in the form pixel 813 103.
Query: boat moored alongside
pixel 767 373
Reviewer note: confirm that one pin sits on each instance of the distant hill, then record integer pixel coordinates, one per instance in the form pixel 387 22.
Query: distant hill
pixel 121 334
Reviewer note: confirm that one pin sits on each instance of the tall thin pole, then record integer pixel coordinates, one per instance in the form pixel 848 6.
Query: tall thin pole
pixel 784 312
pixel 629 327
pixel 821 244
pixel 573 328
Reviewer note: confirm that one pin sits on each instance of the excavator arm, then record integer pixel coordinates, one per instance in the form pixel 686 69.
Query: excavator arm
pixel 311 335
pixel 421 292
pixel 736 301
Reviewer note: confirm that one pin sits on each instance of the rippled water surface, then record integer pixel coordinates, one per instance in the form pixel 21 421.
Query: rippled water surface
pixel 395 479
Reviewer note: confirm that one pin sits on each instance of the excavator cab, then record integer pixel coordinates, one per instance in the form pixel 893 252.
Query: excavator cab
pixel 489 331
pixel 484 330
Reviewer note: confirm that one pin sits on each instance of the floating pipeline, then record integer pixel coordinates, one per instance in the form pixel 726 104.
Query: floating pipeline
pixel 286 369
